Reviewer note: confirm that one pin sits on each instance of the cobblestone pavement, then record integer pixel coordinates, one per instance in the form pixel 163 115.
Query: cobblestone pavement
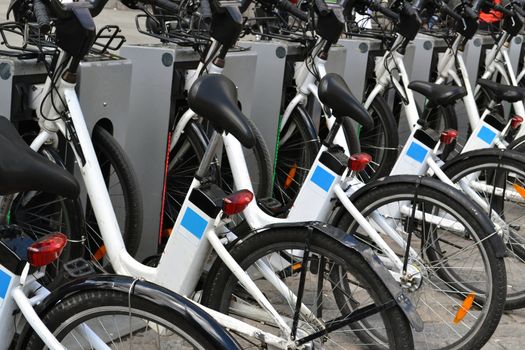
pixel 511 331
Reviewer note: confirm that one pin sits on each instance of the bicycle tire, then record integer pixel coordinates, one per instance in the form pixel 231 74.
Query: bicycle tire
pixel 499 168
pixel 281 241
pixel 73 311
pixel 183 163
pixel 297 148
pixel 388 195
pixel 381 142
pixel 113 159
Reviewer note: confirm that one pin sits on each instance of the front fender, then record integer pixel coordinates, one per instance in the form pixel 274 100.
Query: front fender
pixel 371 258
pixel 194 315
pixel 494 240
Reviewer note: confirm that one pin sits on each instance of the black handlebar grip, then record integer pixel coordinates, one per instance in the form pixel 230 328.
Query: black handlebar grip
pixel 388 12
pixel 291 9
pixel 444 7
pixel 205 11
pixel 321 7
pixel 519 10
pixel 167 5
pixel 504 10
pixel 42 16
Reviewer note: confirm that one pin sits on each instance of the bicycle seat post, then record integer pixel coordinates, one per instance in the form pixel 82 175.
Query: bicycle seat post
pixel 207 158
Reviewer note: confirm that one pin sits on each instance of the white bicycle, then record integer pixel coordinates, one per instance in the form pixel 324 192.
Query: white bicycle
pixel 95 312
pixel 328 260
pixel 491 177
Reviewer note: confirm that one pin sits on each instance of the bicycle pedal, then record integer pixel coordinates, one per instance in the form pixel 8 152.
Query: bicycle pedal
pixel 272 206
pixel 79 267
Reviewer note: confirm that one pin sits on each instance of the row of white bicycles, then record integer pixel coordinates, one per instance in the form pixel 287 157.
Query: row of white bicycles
pixel 347 241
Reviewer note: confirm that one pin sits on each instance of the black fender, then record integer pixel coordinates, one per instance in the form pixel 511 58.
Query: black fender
pixel 193 314
pixel 494 240
pixel 366 252
pixel 484 154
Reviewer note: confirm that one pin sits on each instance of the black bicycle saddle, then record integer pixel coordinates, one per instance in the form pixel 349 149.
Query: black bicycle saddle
pixel 214 97
pixel 501 92
pixel 335 94
pixel 438 94
pixel 22 169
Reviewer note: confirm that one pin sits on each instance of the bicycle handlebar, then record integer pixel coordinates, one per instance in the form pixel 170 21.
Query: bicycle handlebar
pixel 165 5
pixel 503 10
pixel 205 10
pixel 322 7
pixel 291 9
pixel 376 6
pixel 42 16
pixel 519 10
pixel 447 10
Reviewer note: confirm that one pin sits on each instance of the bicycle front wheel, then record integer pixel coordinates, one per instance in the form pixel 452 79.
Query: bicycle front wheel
pixel 451 262
pixel 118 320
pixel 328 269
pixel 497 178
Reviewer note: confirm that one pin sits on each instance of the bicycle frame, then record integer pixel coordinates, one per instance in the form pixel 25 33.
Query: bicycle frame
pixel 15 290
pixel 181 281
pixel 418 158
pixel 497 61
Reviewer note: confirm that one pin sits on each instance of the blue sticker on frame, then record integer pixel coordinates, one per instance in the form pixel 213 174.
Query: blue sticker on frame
pixel 194 223
pixel 417 152
pixel 5 279
pixel 322 178
pixel 486 135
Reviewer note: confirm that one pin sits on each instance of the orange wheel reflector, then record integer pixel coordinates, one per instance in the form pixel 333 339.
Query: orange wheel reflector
pixel 100 253
pixel 296 266
pixel 290 177
pixel 167 232
pixel 520 190
pixel 465 307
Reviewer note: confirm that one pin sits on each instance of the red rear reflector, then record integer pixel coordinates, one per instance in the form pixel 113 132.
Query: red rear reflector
pixel 236 202
pixel 448 136
pixel 46 250
pixel 359 161
pixel 516 121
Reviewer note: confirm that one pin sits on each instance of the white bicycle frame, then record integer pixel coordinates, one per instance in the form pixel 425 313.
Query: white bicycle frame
pixel 14 297
pixel 417 158
pixel 181 281
pixel 187 249
pixel 497 61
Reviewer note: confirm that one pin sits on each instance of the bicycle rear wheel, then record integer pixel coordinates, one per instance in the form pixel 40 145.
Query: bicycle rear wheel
pixel 381 142
pixel 452 262
pixel 329 268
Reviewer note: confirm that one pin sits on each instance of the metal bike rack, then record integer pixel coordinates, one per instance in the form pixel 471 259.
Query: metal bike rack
pixel 268 88
pixel 152 84
pixel 16 75
pixel 424 46
pixel 358 51
pixel 474 55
